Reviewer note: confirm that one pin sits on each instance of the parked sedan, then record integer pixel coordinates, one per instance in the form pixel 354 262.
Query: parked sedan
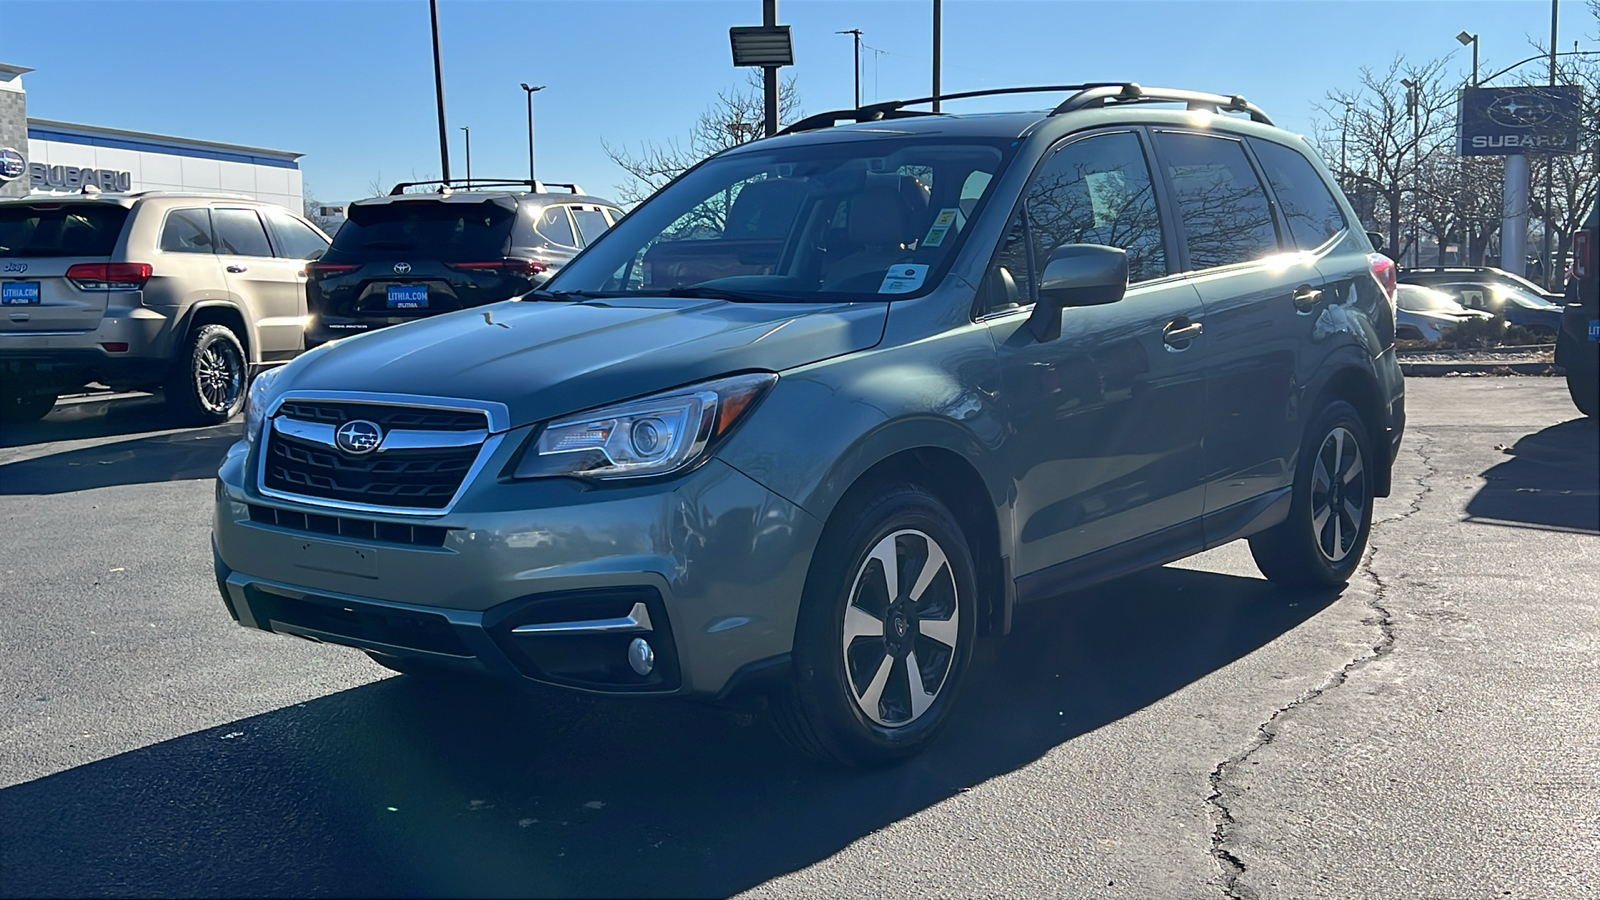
pixel 1519 307
pixel 1425 314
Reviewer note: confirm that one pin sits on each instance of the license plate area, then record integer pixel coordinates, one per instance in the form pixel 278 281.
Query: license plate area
pixel 19 293
pixel 407 296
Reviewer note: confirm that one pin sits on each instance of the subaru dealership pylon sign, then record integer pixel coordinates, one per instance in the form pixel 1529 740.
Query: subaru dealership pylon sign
pixel 1503 121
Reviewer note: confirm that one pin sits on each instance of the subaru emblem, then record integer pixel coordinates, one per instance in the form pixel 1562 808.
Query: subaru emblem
pixel 402 268
pixel 358 437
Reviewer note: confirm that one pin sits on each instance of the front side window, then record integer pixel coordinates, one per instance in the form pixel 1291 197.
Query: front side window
pixel 1223 207
pixel 187 231
pixel 296 239
pixel 1308 207
pixel 851 220
pixel 240 233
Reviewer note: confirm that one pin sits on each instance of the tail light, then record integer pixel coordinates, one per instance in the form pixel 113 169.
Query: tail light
pixel 509 266
pixel 324 270
pixel 1583 262
pixel 109 276
pixel 1385 273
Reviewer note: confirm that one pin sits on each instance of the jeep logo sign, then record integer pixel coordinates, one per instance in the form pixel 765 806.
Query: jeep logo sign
pixel 12 165
pixel 71 178
pixel 1502 121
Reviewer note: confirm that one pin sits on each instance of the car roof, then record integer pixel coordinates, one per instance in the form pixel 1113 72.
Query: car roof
pixel 519 197
pixel 130 198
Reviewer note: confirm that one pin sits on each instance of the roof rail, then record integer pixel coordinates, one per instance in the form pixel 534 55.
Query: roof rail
pixel 1098 96
pixel 471 183
pixel 895 109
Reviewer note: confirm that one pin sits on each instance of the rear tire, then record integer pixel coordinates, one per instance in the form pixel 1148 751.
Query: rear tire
pixel 21 407
pixel 1584 386
pixel 1321 542
pixel 880 650
pixel 208 382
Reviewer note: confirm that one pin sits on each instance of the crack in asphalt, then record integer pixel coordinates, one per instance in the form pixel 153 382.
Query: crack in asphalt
pixel 1231 865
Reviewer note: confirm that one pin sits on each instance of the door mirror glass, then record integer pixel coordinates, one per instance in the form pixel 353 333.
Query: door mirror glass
pixel 1077 275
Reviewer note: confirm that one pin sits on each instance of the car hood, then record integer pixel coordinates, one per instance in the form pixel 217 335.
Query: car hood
pixel 544 359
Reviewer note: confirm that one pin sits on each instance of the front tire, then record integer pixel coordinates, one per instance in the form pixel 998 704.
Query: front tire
pixel 885 632
pixel 1321 542
pixel 208 383
pixel 1583 384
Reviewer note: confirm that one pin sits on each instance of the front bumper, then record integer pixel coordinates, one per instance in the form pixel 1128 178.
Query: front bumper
pixel 718 561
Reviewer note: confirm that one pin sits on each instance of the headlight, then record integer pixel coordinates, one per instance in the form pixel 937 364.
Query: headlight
pixel 654 436
pixel 257 401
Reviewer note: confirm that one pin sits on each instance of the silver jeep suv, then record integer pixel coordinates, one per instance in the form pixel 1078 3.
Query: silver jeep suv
pixel 147 291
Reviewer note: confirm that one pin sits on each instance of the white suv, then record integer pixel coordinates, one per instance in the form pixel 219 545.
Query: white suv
pixel 188 293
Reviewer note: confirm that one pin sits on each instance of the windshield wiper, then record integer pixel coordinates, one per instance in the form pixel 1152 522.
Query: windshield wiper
pixel 565 296
pixel 701 292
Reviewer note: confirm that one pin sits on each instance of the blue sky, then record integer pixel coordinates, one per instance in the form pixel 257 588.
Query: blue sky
pixel 350 82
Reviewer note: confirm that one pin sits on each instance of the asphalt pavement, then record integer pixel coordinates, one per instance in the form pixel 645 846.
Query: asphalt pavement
pixel 1433 730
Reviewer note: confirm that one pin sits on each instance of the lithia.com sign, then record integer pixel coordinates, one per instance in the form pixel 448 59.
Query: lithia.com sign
pixel 60 178
pixel 1504 121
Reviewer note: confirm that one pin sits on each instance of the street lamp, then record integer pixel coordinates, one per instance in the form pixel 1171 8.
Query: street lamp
pixel 468 130
pixel 1472 39
pixel 531 89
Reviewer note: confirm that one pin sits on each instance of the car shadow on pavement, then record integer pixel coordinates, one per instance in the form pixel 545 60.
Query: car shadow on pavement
pixel 92 417
pixel 1552 480
pixel 178 456
pixel 397 788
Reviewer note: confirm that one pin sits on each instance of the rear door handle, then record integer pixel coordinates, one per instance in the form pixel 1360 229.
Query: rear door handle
pixel 236 269
pixel 1305 296
pixel 1180 332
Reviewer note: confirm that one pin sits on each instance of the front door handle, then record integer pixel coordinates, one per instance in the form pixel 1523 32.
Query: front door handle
pixel 1305 296
pixel 236 269
pixel 1180 332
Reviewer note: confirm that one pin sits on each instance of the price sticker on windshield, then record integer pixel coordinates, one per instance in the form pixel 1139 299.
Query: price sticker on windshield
pixel 903 279
pixel 940 229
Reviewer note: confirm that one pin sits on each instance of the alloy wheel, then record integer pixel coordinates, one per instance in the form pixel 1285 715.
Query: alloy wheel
pixel 218 377
pixel 900 628
pixel 1339 494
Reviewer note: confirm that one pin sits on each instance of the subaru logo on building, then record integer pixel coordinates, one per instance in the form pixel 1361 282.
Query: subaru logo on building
pixel 12 165
pixel 1521 111
pixel 402 268
pixel 358 437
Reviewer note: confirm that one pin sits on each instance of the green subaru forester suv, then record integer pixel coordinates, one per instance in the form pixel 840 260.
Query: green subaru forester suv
pixel 815 417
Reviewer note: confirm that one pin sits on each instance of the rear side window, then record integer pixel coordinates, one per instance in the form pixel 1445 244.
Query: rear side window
pixel 591 223
pixel 448 232
pixel 187 231
pixel 58 229
pixel 296 240
pixel 1310 210
pixel 1221 202
pixel 239 233
pixel 554 226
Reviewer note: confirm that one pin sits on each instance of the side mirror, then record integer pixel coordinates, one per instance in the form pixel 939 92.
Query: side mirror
pixel 1077 275
pixel 1376 239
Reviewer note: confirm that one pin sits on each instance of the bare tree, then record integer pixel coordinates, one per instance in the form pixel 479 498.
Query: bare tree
pixel 313 208
pixel 1386 131
pixel 1574 178
pixel 1461 199
pixel 735 118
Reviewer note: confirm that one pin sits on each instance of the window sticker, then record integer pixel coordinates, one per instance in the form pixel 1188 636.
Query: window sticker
pixel 903 279
pixel 941 227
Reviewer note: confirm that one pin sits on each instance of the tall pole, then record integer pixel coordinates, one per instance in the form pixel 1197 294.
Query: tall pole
pixel 468 130
pixel 531 89
pixel 438 88
pixel 1546 260
pixel 937 42
pixel 1474 60
pixel 769 74
pixel 857 33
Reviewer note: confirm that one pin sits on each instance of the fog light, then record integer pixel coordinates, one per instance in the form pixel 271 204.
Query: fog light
pixel 641 656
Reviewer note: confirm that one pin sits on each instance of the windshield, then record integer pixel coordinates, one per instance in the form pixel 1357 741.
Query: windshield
pixel 1521 298
pixel 55 229
pixel 1420 299
pixel 859 220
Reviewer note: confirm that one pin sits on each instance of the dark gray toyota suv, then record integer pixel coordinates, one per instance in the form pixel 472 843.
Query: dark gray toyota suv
pixel 814 418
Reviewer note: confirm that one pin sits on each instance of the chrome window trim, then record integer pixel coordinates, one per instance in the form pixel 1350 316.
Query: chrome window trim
pixel 499 416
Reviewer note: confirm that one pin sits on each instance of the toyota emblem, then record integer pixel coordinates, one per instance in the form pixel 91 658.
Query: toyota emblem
pixel 358 437
pixel 402 268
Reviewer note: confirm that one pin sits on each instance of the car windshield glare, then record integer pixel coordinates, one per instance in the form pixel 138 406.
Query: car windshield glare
pixel 1521 298
pixel 833 222
pixel 1412 298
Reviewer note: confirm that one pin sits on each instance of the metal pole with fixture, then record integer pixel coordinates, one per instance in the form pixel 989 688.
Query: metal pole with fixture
pixel 1546 259
pixel 531 89
pixel 468 130
pixel 769 74
pixel 938 8
pixel 1464 38
pixel 767 47
pixel 438 88
pixel 857 33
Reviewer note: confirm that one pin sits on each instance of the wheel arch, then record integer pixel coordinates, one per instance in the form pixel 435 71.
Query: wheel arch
pixel 1359 388
pixel 218 312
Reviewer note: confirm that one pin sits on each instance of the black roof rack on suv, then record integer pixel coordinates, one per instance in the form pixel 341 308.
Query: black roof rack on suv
pixel 473 183
pixel 1090 95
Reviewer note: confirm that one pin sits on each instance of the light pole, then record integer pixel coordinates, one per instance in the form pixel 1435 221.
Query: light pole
pixel 531 89
pixel 468 130
pixel 1472 39
pixel 1413 101
pixel 438 88
pixel 938 26
pixel 857 33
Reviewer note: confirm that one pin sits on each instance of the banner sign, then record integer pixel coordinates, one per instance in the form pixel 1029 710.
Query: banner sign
pixel 1503 121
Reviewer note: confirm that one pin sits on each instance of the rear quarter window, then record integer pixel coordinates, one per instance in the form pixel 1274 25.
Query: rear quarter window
pixel 60 229
pixel 187 231
pixel 1307 205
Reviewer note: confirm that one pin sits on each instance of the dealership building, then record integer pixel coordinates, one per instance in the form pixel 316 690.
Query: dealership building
pixel 44 157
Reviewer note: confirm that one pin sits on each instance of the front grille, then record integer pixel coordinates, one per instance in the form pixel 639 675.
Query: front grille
pixel 417 479
pixel 364 529
pixel 387 417
pixel 361 621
